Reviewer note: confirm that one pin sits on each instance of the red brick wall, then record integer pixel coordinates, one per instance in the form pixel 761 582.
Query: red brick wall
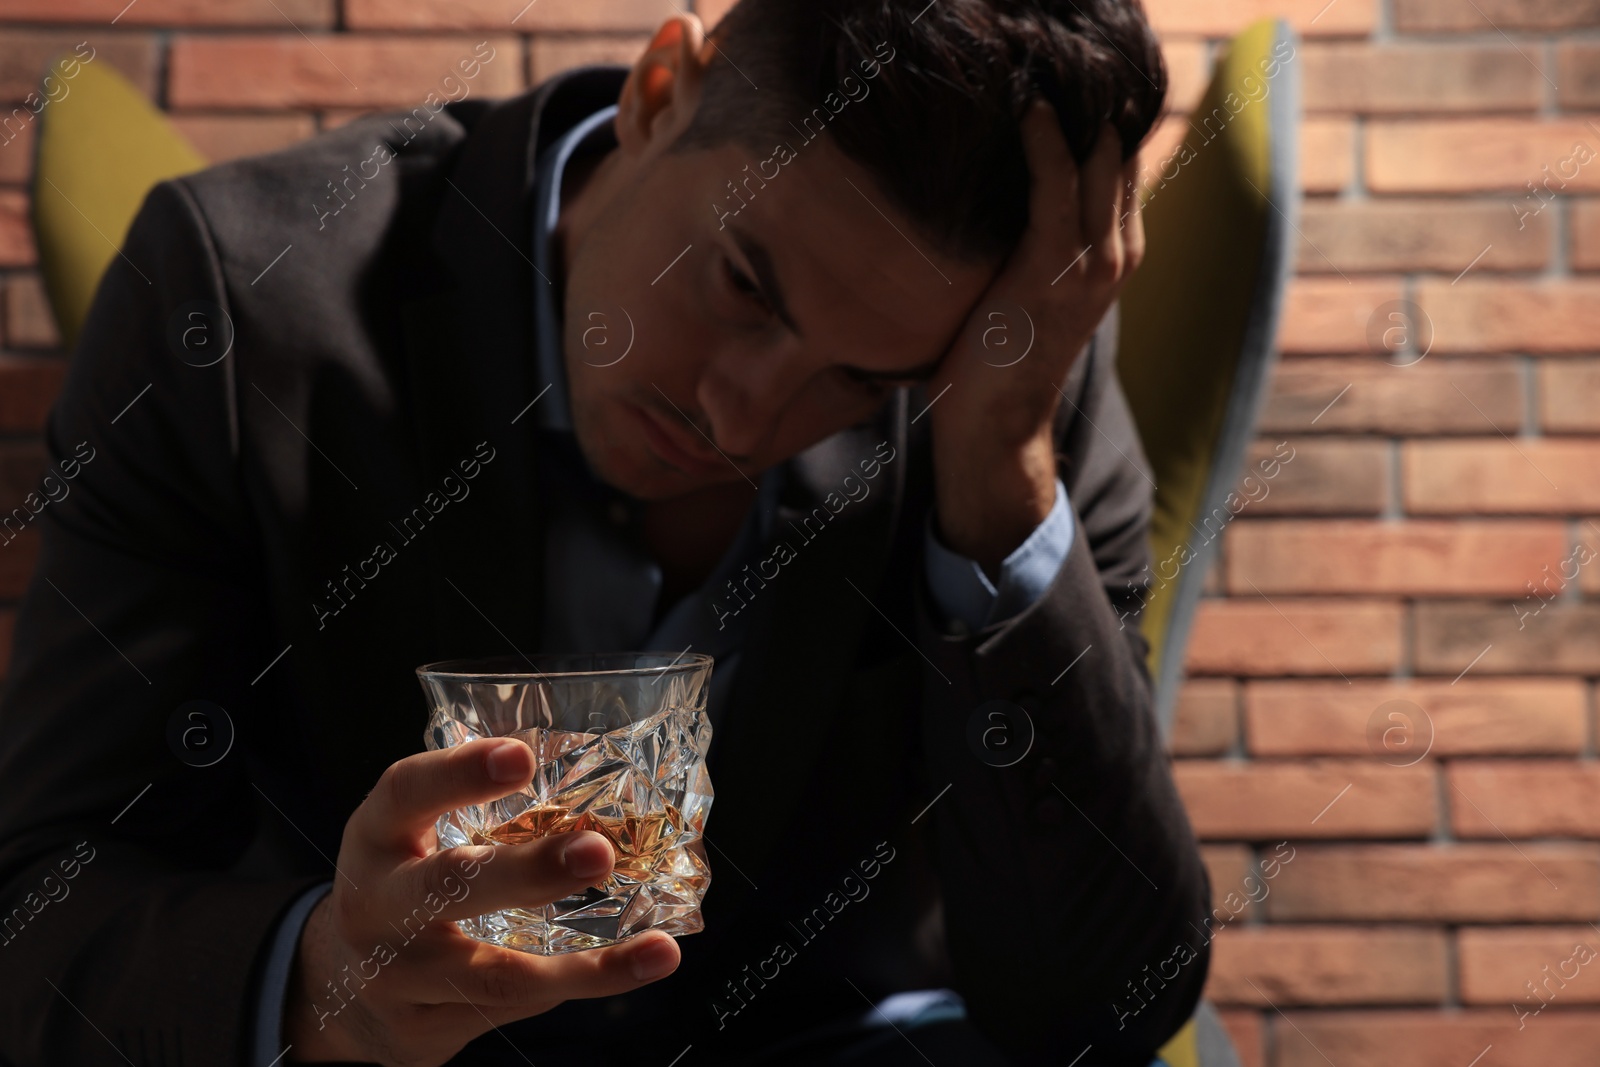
pixel 1438 869
pixel 1386 564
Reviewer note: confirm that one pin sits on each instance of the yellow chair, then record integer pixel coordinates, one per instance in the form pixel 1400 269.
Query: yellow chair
pixel 1198 324
pixel 1200 315
pixel 99 149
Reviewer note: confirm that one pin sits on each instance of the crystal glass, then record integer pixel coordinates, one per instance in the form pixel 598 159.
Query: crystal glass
pixel 619 742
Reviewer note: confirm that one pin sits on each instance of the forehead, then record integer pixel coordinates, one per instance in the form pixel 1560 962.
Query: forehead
pixel 856 276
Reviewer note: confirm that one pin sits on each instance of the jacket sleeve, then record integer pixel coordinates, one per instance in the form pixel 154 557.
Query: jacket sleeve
pixel 1071 882
pixel 145 598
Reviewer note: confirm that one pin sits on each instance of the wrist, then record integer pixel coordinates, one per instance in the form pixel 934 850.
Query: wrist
pixel 987 503
pixel 313 1027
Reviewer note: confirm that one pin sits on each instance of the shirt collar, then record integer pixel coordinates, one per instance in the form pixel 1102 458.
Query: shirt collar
pixel 553 411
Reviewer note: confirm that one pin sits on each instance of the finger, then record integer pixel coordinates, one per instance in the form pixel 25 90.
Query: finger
pixel 1133 211
pixel 1053 214
pixel 1102 193
pixel 464 882
pixel 494 977
pixel 413 792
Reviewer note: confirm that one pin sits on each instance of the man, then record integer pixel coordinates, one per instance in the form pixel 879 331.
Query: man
pixel 603 366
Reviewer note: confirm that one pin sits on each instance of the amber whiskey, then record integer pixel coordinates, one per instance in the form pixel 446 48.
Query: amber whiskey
pixel 639 841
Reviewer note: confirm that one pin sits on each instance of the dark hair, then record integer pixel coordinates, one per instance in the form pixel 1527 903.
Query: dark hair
pixel 938 123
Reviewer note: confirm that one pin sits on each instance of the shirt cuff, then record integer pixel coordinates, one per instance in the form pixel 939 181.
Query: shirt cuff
pixel 962 592
pixel 267 1043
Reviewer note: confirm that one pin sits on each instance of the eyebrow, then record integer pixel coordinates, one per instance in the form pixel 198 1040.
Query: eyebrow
pixel 767 278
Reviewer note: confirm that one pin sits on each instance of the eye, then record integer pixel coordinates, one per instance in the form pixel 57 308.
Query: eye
pixel 741 283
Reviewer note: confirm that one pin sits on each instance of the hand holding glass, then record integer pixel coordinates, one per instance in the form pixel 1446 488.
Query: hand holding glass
pixel 619 742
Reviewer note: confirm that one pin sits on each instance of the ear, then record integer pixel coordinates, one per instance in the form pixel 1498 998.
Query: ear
pixel 663 89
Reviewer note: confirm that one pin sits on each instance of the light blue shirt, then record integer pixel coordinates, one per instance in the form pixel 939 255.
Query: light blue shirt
pixel 601 590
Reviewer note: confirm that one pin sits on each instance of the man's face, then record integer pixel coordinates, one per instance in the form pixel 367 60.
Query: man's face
pixel 752 335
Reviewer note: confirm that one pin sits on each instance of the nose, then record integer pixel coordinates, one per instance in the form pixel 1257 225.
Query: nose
pixel 743 393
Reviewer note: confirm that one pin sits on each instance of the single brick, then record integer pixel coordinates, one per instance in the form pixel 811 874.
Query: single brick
pixel 306 14
pixel 1364 395
pixel 1278 966
pixel 1550 475
pixel 1320 477
pixel 1578 75
pixel 1224 18
pixel 504 16
pixel 1271 801
pixel 1374 236
pixel 1333 315
pixel 1495 16
pixel 1411 558
pixel 1515 798
pixel 1521 157
pixel 1530 967
pixel 1255 636
pixel 1495 315
pixel 1523 636
pixel 1377 79
pixel 1453 1038
pixel 339 70
pixel 1399 722
pixel 1456 883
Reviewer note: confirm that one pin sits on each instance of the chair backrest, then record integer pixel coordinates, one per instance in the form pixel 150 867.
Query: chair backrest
pixel 101 146
pixel 1199 318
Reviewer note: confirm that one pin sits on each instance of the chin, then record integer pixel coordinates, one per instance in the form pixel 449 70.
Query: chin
pixel 630 467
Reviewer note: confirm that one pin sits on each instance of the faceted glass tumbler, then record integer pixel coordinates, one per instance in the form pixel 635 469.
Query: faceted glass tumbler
pixel 619 742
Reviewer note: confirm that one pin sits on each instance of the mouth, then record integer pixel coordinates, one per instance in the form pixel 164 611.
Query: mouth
pixel 669 444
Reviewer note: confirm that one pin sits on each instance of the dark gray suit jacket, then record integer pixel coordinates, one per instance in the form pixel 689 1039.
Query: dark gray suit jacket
pixel 372 352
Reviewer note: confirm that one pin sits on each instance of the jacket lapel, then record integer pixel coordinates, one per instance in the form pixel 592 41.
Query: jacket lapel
pixel 783 718
pixel 467 331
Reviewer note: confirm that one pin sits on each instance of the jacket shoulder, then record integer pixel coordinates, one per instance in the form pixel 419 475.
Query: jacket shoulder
pixel 339 188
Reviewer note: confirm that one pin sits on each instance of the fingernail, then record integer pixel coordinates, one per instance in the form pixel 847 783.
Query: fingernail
pixel 586 856
pixel 653 961
pixel 506 763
